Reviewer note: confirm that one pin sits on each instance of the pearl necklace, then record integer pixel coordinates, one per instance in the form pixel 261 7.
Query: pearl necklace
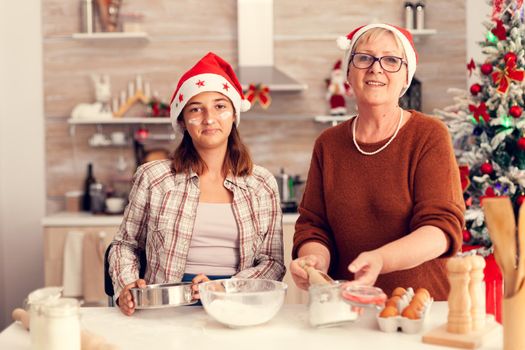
pixel 354 126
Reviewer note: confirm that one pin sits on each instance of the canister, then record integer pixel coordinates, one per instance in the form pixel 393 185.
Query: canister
pixel 326 306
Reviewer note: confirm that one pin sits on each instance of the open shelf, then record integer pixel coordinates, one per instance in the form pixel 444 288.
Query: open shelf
pixel 422 32
pixel 103 36
pixel 124 120
pixel 334 119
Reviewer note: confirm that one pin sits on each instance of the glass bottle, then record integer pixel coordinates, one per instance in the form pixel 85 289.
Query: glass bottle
pixel 90 179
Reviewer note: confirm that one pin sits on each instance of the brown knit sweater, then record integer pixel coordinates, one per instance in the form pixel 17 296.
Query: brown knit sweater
pixel 354 203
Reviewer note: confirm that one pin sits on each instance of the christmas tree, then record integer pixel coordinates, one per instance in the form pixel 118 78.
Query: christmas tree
pixel 487 123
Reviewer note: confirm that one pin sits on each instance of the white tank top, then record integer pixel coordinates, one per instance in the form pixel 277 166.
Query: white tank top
pixel 214 247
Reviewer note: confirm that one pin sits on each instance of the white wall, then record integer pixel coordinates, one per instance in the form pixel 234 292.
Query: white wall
pixel 477 11
pixel 22 186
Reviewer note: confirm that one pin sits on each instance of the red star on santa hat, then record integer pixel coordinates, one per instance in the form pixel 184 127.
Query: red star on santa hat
pixel 181 98
pixel 200 83
pixel 225 86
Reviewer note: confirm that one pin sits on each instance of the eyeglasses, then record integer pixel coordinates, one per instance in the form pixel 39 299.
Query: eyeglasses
pixel 391 64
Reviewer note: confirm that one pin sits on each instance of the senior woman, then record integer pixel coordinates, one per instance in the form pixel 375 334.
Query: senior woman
pixel 208 212
pixel 383 202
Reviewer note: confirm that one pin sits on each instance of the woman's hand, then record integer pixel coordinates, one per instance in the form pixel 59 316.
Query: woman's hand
pixel 366 267
pixel 125 299
pixel 200 278
pixel 299 274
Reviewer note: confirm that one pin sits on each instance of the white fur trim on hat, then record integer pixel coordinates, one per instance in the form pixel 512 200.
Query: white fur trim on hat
pixel 407 47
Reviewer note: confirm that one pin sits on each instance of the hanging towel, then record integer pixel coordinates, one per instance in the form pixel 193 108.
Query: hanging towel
pixel 72 275
pixel 94 247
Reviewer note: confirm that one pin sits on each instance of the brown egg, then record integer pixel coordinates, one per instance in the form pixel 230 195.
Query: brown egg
pixel 389 311
pixel 423 290
pixel 423 297
pixel 399 291
pixel 393 301
pixel 410 313
pixel 418 301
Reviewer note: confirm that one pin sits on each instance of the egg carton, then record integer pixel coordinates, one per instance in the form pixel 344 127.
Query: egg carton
pixel 404 324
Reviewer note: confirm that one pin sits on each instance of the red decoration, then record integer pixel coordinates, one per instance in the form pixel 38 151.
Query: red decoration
pixel 471 66
pixel 259 93
pixel 496 8
pixel 521 143
pixel 486 68
pixel 464 175
pixel 475 89
pixel 515 111
pixel 510 56
pixel 487 169
pixel 142 134
pixel 500 30
pixel 503 77
pixel 520 199
pixel 480 111
pixel 467 236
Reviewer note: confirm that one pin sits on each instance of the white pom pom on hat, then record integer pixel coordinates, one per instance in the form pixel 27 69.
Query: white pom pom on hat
pixel 343 43
pixel 210 73
pixel 347 43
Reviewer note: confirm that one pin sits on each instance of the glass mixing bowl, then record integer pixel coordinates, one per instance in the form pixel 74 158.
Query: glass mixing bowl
pixel 240 302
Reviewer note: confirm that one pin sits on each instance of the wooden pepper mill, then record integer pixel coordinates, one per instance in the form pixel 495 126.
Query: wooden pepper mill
pixel 459 302
pixel 477 292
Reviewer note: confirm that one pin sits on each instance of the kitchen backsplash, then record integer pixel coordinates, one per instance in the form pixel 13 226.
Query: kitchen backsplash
pixel 181 32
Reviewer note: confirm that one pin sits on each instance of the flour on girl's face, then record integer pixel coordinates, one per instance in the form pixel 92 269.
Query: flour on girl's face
pixel 225 115
pixel 198 120
pixel 194 121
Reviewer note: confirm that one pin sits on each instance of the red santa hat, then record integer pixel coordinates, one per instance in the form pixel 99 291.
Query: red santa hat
pixel 211 73
pixel 348 42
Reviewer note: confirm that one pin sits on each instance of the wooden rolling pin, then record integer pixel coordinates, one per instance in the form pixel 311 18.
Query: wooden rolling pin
pixel 88 340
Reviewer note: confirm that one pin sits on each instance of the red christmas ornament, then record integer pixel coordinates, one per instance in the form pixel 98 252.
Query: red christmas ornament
pixel 515 111
pixel 521 143
pixel 467 236
pixel 486 68
pixel 510 57
pixel 475 89
pixel 487 168
pixel 142 134
pixel 520 199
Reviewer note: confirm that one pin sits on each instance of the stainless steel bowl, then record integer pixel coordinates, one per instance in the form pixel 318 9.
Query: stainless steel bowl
pixel 163 295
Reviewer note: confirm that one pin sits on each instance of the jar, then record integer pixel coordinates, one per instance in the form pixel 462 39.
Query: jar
pixel 60 329
pixel 409 15
pixel 98 198
pixel 34 305
pixel 327 307
pixel 420 16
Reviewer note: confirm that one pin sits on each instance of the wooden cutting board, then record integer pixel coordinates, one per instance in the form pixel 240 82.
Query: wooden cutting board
pixel 471 340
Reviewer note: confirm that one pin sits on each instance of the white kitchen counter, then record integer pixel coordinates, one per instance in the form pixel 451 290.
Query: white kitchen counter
pixel 191 328
pixel 87 219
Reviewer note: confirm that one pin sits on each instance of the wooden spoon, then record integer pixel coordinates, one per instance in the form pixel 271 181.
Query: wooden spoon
pixel 315 276
pixel 499 217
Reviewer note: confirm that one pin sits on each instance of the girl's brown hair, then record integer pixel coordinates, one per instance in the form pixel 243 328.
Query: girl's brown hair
pixel 237 160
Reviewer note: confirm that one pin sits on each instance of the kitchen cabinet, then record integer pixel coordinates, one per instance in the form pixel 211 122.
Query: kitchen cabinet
pixel 57 227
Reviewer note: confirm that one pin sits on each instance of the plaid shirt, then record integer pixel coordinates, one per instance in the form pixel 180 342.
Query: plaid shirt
pixel 160 219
